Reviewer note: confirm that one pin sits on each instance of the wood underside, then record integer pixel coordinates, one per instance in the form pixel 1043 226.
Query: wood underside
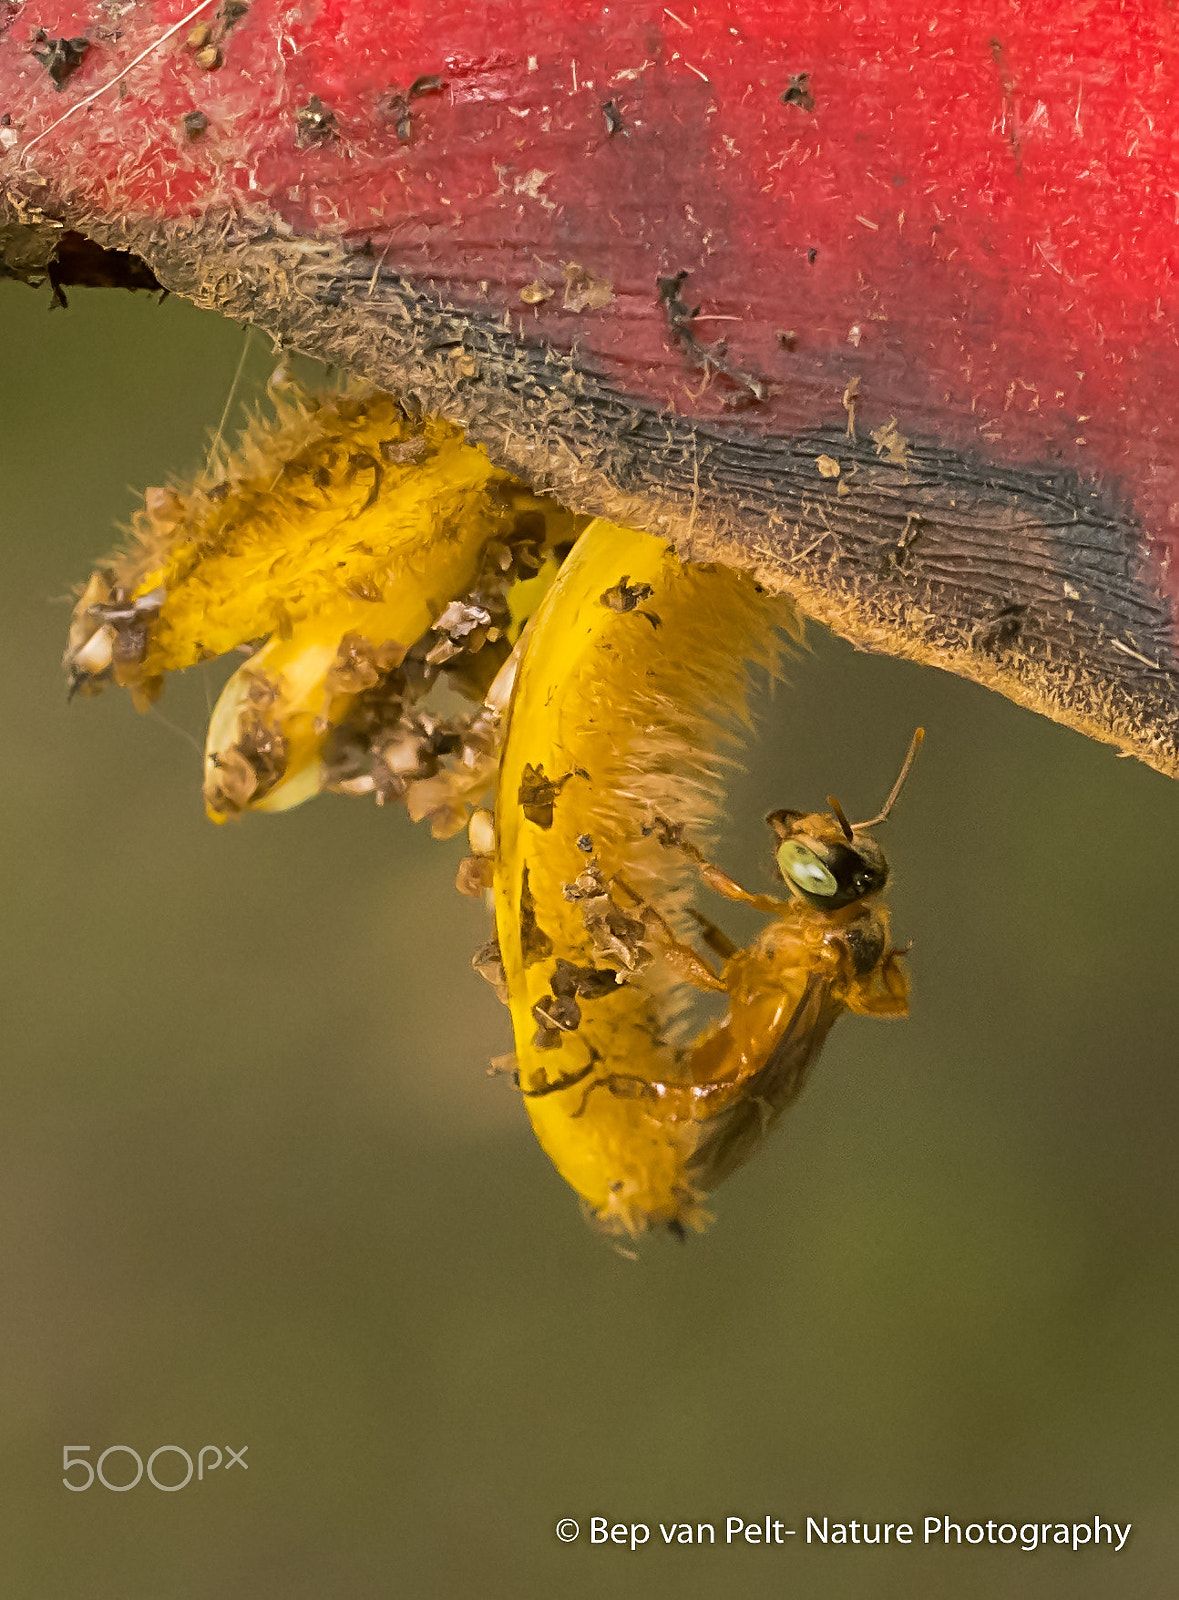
pixel 1032 583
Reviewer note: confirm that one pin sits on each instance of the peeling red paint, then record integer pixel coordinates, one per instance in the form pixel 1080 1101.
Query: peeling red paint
pixel 979 218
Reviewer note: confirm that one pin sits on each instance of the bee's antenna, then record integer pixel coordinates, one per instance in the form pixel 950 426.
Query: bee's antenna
pixel 840 817
pixel 914 746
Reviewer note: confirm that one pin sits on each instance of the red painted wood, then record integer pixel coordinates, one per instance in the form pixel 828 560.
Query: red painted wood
pixel 979 218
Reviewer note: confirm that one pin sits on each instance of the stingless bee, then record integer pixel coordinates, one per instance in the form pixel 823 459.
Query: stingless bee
pixel 826 951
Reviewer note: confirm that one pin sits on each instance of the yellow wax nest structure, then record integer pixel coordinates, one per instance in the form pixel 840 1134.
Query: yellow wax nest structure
pixel 353 554
pixel 358 557
pixel 634 681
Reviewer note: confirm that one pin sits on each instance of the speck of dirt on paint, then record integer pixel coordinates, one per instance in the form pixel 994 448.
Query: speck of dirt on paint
pixel 531 184
pixel 583 291
pixel 396 103
pixel 891 442
pixel 799 92
pixel 315 122
pixel 61 58
pixel 828 467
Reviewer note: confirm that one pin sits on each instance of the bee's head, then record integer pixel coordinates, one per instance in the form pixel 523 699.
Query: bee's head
pixel 828 861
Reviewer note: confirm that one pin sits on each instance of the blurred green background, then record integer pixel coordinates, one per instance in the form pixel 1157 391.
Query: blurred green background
pixel 256 1189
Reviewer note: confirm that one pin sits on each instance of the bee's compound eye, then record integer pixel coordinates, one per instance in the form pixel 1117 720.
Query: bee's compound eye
pixel 802 867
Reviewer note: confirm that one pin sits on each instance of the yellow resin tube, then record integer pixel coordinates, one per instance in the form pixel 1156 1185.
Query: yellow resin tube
pixel 334 539
pixel 630 688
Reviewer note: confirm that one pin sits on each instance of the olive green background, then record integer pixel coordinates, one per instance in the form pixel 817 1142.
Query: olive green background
pixel 257 1190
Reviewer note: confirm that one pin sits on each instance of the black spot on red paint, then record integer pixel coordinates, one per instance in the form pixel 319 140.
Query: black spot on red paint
pixel 799 92
pixel 61 58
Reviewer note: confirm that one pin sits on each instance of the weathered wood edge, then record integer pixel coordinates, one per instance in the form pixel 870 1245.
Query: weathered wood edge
pixel 1031 583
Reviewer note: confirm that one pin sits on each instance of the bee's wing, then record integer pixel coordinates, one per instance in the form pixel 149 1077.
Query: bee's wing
pixel 731 1137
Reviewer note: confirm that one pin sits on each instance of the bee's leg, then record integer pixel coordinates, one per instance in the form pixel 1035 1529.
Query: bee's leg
pixel 883 992
pixel 715 938
pixel 685 962
pixel 894 986
pixel 670 835
pixel 697 1100
pixel 542 1085
pixel 627 1088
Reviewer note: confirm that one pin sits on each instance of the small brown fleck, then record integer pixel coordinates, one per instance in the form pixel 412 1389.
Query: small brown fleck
pixel 612 931
pixel 584 291
pixel 405 452
pixel 315 122
pixel 461 619
pixel 559 1013
pixel 248 769
pixel 626 596
pixel 890 442
pixel 799 92
pixel 194 124
pixel 545 1038
pixel 828 467
pixel 590 983
pixel 488 963
pixel 536 293
pixel 61 58
pixel 538 795
pixel 445 650
pixel 208 59
pixel 535 944
pixel 355 667
pixel 474 876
